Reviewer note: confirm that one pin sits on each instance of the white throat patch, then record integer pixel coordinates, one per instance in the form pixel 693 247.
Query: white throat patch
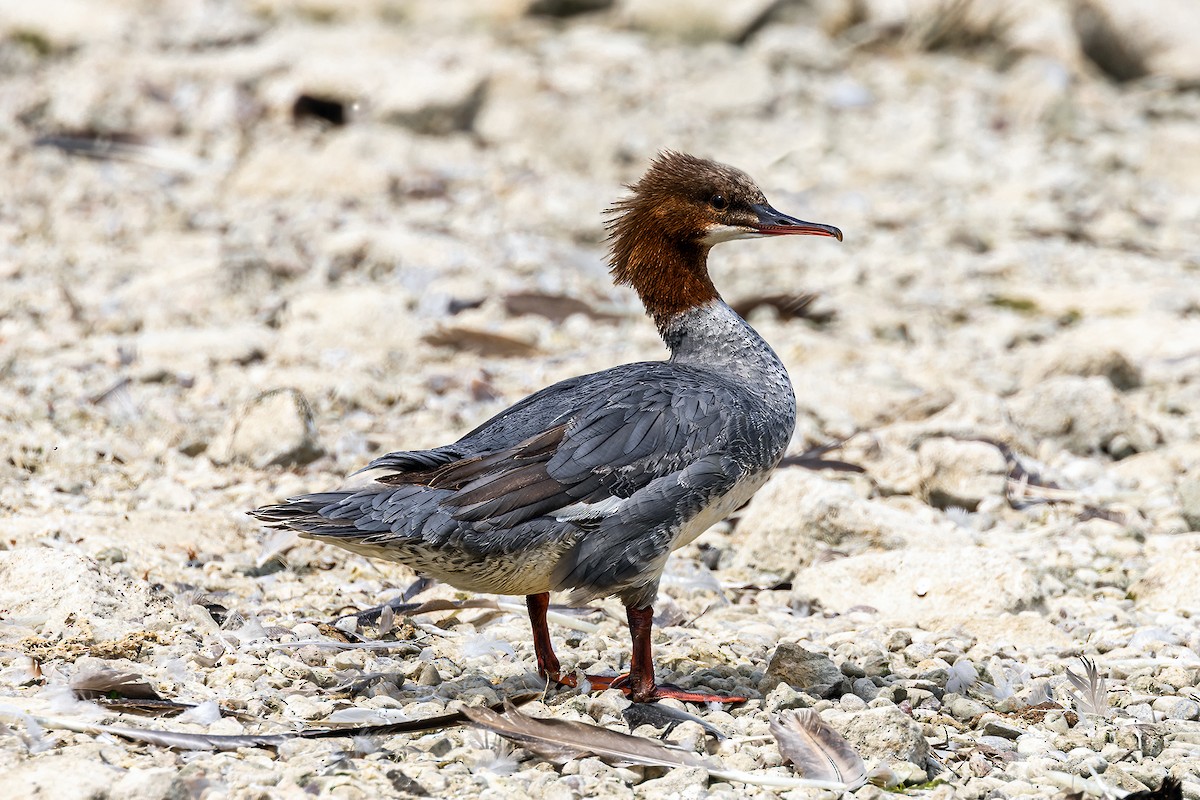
pixel 727 233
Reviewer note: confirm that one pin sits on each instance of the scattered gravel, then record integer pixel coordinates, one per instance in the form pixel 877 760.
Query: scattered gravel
pixel 246 247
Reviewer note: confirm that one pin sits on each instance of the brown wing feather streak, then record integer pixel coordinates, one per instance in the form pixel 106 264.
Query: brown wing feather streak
pixel 498 483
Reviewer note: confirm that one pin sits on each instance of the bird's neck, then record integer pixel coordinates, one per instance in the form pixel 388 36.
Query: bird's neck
pixel 670 275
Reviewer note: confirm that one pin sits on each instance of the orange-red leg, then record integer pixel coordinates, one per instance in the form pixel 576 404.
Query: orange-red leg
pixel 546 660
pixel 638 683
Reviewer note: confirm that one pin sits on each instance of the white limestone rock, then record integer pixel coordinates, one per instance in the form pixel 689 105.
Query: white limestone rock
pixel 275 429
pixel 1085 415
pixel 923 585
pixel 960 473
pixel 799 515
pixel 73 597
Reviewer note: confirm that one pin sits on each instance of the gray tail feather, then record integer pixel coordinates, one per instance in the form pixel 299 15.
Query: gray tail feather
pixel 414 460
pixel 303 513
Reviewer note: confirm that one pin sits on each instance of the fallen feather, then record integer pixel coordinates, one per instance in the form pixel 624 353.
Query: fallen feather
pixel 563 740
pixel 817 750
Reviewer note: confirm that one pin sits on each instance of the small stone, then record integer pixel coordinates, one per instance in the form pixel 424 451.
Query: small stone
pixel 275 429
pixel 784 697
pixel 852 702
pixel 683 782
pixel 1177 707
pixel 885 732
pixel 429 676
pixel 852 670
pixel 1087 764
pixel 961 473
pixel 1147 741
pixel 1011 705
pixel 908 773
pixel 997 727
pixel 802 669
pixel 111 555
pixel 964 708
pixel 1032 743
pixel 1189 502
pixel 865 688
pixel 308 707
pixel 443 746
pixel 921 698
pixel 697 20
pixel 193 447
pixel 1056 721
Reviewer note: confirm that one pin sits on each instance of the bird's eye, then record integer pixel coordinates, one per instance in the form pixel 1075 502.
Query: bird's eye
pixel 719 202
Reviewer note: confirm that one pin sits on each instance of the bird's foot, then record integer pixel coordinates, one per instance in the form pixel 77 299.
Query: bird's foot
pixel 662 691
pixel 593 683
pixel 644 694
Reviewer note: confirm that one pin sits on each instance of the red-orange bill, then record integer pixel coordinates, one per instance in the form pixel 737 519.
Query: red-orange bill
pixel 773 223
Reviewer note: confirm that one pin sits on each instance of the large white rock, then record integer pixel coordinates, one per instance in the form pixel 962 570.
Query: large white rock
pixel 1086 415
pixel 64 595
pixel 275 429
pixel 920 586
pixel 885 733
pixel 1170 581
pixel 961 473
pixel 1133 38
pixel 798 515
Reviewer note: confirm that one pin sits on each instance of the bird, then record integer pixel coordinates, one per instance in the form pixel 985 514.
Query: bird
pixel 588 485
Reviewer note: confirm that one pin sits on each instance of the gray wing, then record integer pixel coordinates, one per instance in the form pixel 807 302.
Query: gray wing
pixel 602 453
pixel 623 474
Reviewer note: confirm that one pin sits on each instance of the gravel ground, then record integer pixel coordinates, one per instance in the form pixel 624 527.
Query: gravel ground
pixel 246 246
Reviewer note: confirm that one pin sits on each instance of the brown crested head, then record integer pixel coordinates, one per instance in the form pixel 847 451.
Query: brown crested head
pixel 660 235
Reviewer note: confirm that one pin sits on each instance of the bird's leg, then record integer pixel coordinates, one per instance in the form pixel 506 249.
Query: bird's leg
pixel 639 683
pixel 546 660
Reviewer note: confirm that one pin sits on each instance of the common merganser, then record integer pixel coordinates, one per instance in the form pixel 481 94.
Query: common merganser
pixel 588 485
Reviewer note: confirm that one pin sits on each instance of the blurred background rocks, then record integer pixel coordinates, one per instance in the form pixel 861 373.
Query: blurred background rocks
pixel 246 246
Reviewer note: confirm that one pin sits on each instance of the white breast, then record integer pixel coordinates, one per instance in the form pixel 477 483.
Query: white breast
pixel 720 508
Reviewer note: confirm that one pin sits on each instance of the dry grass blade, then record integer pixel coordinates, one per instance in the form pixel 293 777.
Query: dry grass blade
pixel 480 342
pixel 959 25
pixel 554 307
pixel 124 692
pixel 814 458
pixel 817 749
pixel 1091 689
pixel 416 609
pixel 121 147
pixel 788 306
